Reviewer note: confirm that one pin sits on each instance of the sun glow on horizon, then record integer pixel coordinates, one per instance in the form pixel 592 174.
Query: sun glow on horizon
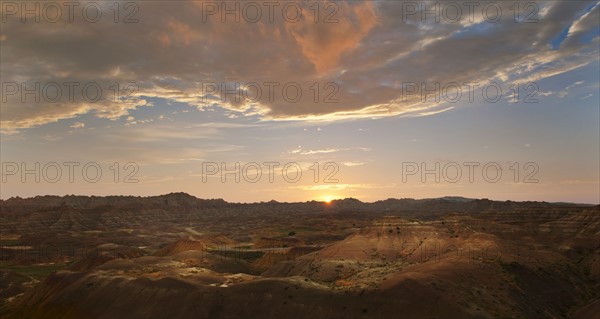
pixel 328 198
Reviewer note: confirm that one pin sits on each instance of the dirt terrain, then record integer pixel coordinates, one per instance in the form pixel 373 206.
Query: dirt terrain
pixel 177 256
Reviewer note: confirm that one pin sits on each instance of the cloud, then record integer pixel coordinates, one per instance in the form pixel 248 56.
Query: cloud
pixel 51 138
pixel 579 182
pixel 351 164
pixel 313 152
pixel 574 85
pixel 586 23
pixel 300 151
pixel 564 92
pixel 354 68
pixel 340 187
pixel 325 43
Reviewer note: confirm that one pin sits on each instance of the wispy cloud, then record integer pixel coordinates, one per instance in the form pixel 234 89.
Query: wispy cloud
pixel 78 125
pixel 341 187
pixel 351 164
pixel 300 151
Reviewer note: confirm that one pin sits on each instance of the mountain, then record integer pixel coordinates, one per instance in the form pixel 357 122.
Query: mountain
pixel 179 256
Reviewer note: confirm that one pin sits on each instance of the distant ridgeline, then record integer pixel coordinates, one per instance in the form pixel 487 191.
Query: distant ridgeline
pixel 56 213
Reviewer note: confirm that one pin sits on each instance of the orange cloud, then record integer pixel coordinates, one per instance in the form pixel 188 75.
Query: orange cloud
pixel 324 43
pixel 178 32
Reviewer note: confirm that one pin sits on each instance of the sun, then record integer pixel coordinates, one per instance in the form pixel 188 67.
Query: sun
pixel 327 198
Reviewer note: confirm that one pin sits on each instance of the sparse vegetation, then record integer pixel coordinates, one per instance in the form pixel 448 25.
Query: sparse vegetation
pixel 231 251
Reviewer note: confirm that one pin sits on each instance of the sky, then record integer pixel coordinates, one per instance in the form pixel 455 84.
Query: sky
pixel 292 101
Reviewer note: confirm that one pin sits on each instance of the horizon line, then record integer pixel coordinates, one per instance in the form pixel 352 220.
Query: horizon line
pixel 466 199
